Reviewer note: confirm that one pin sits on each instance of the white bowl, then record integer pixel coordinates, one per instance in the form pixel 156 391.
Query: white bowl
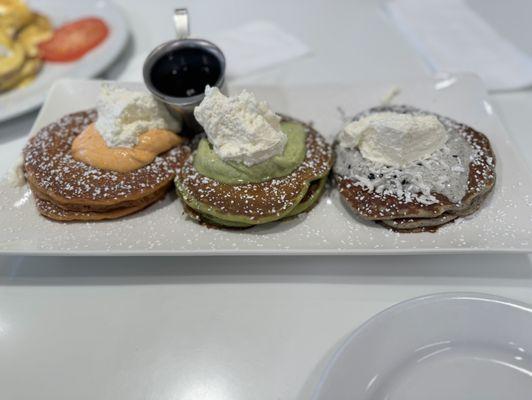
pixel 444 346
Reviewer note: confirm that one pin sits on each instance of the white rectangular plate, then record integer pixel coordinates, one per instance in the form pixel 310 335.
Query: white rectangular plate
pixel 504 224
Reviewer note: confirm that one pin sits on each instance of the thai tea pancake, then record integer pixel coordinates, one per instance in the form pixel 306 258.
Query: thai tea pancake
pixel 107 162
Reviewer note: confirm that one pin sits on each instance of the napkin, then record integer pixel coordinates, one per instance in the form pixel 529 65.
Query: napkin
pixel 257 45
pixel 248 48
pixel 451 37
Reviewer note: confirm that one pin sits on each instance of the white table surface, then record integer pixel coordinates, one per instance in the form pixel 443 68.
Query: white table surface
pixel 228 327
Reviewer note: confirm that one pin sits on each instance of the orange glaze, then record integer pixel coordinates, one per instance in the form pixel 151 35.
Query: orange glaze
pixel 90 147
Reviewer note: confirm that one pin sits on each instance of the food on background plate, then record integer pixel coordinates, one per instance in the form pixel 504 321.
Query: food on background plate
pixel 27 39
pixel 72 41
pixel 14 15
pixel 106 162
pixel 412 170
pixel 253 167
pixel 21 31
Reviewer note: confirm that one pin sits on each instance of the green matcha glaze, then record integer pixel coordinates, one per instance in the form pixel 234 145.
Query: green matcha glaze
pixel 312 200
pixel 207 162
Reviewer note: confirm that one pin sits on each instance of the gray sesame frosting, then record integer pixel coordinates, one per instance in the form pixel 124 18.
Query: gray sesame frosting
pixel 445 171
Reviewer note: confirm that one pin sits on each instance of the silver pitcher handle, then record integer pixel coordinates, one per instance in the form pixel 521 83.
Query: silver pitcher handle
pixel 181 23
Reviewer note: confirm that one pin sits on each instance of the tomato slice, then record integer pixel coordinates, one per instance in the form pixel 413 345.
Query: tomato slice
pixel 72 41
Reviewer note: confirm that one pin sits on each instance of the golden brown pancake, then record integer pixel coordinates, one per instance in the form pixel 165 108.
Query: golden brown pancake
pixel 55 212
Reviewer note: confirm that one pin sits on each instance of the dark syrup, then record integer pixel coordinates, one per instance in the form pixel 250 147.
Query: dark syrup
pixel 185 72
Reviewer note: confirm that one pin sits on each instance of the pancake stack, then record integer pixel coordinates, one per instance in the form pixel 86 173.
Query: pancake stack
pixel 407 213
pixel 245 205
pixel 69 190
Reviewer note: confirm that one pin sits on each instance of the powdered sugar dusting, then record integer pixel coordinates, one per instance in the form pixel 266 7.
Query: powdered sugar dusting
pixel 329 228
pixel 503 224
pixel 49 164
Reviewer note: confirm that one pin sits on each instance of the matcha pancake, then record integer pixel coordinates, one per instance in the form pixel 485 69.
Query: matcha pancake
pixel 244 196
pixel 310 199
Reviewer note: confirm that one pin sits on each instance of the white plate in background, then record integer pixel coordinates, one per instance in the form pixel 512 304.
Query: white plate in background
pixel 503 224
pixel 459 346
pixel 19 101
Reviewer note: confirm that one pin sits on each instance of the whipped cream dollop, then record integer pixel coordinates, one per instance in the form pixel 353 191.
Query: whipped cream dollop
pixel 240 128
pixel 125 114
pixel 394 139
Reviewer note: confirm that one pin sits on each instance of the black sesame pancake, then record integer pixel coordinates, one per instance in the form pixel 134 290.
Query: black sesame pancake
pixel 423 195
pixel 413 225
pixel 84 192
pixel 249 204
